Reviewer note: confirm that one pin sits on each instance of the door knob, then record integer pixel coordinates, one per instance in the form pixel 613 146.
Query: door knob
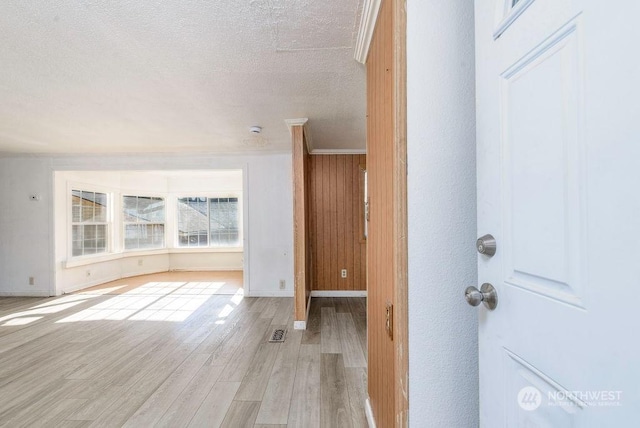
pixel 487 295
pixel 486 245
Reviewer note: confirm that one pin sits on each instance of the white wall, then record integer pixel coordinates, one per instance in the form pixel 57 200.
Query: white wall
pixel 25 227
pixel 443 355
pixel 268 199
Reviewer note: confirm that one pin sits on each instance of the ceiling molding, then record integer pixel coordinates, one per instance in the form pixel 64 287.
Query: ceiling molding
pixel 338 152
pixel 365 32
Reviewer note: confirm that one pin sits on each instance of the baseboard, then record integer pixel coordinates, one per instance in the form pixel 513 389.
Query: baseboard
pixel 207 269
pixel 90 284
pixel 338 293
pixel 269 293
pixel 299 325
pixel 24 293
pixel 369 413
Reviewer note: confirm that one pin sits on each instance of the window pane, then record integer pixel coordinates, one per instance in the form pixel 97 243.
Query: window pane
pixel 100 207
pixel 224 222
pixel 77 239
pixel 129 208
pixel 192 222
pixel 140 236
pixel 130 236
pixel 87 206
pixel 76 198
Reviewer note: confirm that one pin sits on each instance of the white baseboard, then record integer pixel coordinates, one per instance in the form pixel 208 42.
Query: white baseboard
pixel 207 269
pixel 269 293
pixel 299 325
pixel 369 413
pixel 42 293
pixel 338 293
pixel 89 284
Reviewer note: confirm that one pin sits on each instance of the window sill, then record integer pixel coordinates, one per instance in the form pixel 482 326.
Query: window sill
pixel 107 257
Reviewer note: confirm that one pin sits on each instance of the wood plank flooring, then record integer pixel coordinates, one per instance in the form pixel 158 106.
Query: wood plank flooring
pixel 175 354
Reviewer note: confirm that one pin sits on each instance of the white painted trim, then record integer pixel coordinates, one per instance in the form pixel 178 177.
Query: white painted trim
pixel 103 280
pixel 269 293
pixel 370 11
pixel 339 152
pixel 299 325
pixel 511 15
pixel 24 294
pixel 368 411
pixel 207 269
pixel 338 293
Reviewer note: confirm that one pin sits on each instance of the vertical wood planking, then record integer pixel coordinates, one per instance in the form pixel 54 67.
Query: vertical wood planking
pixel 318 237
pixel 401 249
pixel 340 221
pixel 386 256
pixel 333 225
pixel 325 208
pixel 336 205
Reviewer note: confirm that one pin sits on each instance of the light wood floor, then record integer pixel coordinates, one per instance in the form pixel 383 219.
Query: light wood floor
pixel 174 354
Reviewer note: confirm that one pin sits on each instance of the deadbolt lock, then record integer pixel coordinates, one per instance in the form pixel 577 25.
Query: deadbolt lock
pixel 486 245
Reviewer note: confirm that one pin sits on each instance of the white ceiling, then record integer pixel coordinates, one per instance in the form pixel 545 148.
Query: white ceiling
pixel 125 76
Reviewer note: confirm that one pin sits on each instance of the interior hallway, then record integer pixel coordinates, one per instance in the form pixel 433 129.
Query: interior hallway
pixel 161 351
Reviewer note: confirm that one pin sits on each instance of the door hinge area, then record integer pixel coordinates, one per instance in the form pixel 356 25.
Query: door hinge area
pixel 389 319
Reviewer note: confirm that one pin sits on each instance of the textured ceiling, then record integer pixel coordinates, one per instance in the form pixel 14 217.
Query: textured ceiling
pixel 178 75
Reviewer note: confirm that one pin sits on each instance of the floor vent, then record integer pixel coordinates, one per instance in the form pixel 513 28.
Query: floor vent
pixel 277 335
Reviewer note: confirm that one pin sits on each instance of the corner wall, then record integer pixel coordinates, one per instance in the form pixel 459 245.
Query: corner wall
pixel 443 346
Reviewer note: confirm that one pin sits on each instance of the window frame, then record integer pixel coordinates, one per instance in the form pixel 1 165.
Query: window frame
pixel 109 248
pixel 124 223
pixel 209 247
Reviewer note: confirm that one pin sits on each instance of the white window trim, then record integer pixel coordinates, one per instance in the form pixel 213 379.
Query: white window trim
pixel 85 187
pixel 236 249
pixel 115 228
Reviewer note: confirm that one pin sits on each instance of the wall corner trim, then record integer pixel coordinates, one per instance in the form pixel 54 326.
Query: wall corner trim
pixel 365 32
pixel 369 412
pixel 307 134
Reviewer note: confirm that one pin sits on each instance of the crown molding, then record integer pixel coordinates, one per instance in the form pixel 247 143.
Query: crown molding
pixel 365 32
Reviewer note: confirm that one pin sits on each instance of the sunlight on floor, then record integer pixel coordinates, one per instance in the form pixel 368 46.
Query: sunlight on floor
pixel 156 301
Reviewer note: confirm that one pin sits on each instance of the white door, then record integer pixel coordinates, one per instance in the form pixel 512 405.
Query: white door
pixel 558 120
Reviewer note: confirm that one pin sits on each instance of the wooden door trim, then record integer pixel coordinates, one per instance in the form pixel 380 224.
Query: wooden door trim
pixel 301 266
pixel 401 296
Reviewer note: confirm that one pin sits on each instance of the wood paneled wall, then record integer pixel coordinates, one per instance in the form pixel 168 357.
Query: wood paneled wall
pixel 336 207
pixel 302 263
pixel 387 245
